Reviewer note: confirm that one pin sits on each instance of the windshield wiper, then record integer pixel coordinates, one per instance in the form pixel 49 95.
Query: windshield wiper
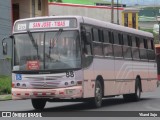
pixel 55 38
pixel 33 41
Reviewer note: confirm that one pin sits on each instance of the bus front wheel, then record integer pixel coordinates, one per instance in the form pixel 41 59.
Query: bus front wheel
pixel 38 104
pixel 97 100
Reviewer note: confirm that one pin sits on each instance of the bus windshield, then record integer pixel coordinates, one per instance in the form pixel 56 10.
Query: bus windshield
pixel 54 50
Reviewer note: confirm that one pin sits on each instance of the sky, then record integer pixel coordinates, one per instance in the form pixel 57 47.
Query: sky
pixel 140 2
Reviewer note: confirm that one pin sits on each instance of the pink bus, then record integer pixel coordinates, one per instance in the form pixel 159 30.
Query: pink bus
pixel 75 58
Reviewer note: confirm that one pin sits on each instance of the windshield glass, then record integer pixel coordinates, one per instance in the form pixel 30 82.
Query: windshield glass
pixel 47 51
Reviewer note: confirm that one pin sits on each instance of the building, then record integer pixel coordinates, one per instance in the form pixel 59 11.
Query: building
pixel 123 16
pixel 11 10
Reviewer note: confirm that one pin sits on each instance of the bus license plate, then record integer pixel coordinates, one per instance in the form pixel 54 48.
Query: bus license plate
pixel 69 92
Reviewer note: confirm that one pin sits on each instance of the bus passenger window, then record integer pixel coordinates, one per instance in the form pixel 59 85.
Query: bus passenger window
pixel 129 40
pixel 116 38
pixel 152 44
pixel 141 43
pixel 125 40
pixel 111 37
pixel 137 42
pixel 145 43
pixel 106 36
pixel 134 43
pixel 95 34
pixel 120 36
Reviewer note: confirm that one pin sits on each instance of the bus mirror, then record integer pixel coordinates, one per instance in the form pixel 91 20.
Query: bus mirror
pixel 4 44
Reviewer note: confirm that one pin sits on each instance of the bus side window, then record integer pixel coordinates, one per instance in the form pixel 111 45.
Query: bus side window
pixel 134 44
pixel 117 46
pixel 129 40
pixel 95 34
pixel 107 44
pixel 143 49
pixel 116 38
pixel 127 46
pixel 86 48
pixel 120 36
pixel 135 48
pixel 150 52
pixel 111 38
pixel 97 42
pixel 125 40
pixel 106 36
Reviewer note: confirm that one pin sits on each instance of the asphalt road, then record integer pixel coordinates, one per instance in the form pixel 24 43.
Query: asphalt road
pixel 150 102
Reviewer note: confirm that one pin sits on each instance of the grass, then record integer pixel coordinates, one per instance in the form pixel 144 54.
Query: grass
pixel 85 2
pixel 5 85
pixel 5 97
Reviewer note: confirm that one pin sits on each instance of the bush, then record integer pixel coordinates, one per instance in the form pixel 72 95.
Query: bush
pixel 5 85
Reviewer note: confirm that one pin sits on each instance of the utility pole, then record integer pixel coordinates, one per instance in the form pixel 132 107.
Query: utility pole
pixel 112 11
pixel 117 13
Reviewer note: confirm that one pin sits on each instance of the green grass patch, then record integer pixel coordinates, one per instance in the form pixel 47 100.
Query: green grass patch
pixel 5 97
pixel 85 2
pixel 5 84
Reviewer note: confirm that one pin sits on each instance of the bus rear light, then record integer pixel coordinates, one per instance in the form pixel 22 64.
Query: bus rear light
pixel 35 94
pixel 61 93
pixel 18 94
pixel 27 94
pixel 79 82
pixel 44 93
pixel 52 93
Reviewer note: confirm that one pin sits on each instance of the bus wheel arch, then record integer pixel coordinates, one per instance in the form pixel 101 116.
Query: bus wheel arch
pixel 38 104
pixel 101 80
pixel 138 80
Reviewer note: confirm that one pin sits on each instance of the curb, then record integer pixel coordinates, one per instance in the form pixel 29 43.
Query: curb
pixel 5 97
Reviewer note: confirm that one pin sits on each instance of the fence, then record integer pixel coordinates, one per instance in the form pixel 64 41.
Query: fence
pixel 5 67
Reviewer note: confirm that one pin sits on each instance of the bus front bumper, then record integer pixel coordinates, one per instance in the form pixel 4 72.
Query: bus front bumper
pixel 62 93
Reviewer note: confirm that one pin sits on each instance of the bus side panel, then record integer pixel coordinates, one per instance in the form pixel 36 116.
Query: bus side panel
pixel 152 76
pixel 124 77
pixel 141 69
pixel 88 82
pixel 105 68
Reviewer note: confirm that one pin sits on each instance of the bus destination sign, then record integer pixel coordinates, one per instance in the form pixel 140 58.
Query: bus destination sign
pixel 49 24
pixel 44 24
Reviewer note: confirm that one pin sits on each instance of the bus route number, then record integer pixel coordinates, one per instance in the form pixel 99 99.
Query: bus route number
pixel 21 26
pixel 70 74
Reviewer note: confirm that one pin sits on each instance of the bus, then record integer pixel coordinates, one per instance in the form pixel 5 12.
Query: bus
pixel 76 58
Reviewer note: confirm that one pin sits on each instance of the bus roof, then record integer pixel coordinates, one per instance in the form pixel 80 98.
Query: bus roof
pixel 96 22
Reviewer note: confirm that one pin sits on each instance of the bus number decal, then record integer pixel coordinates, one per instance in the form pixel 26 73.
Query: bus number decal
pixel 70 74
pixel 21 26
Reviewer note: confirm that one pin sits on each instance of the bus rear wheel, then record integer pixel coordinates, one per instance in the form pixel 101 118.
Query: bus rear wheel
pixel 135 96
pixel 38 104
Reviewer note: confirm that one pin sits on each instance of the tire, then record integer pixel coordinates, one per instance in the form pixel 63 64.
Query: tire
pixel 97 100
pixel 38 104
pixel 135 96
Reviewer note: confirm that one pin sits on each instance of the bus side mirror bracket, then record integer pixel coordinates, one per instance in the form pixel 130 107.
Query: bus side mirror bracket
pixel 4 44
